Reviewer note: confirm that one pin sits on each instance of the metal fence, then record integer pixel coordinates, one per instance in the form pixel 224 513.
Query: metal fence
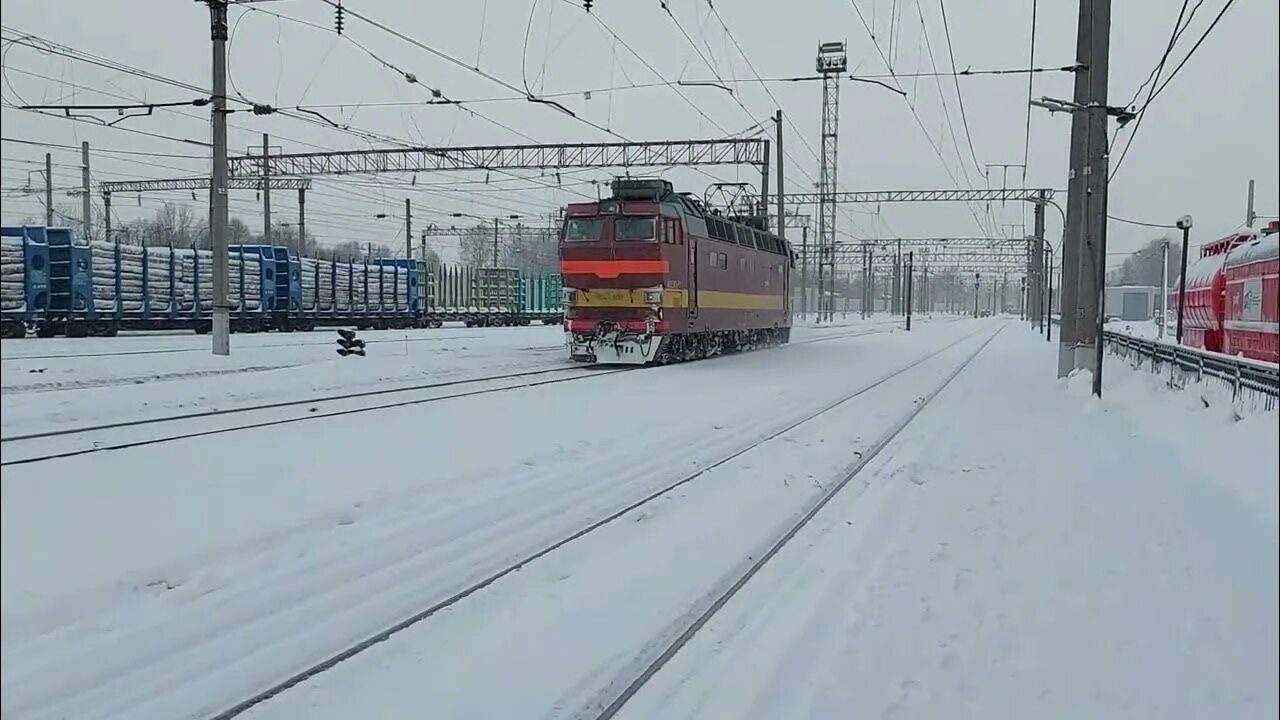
pixel 1256 384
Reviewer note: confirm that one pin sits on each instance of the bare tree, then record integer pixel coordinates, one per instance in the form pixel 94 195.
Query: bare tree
pixel 1143 266
pixel 476 245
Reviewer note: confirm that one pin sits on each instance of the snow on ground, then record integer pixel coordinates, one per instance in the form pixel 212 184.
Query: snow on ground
pixel 1022 550
pixel 239 557
pixel 1145 329
pixel 1057 557
pixel 562 626
pixel 55 383
pixel 48 384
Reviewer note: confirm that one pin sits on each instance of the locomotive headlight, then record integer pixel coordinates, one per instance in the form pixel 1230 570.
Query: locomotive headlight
pixel 653 297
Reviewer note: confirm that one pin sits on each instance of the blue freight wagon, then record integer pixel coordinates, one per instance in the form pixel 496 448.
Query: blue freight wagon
pixel 24 278
pixel 54 285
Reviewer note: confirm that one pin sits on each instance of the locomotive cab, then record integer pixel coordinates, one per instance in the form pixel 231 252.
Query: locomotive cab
pixel 617 258
pixel 651 277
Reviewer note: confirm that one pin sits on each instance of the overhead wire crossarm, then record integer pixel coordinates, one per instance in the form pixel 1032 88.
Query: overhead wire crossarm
pixel 736 151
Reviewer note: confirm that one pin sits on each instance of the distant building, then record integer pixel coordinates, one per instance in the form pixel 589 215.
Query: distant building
pixel 1133 302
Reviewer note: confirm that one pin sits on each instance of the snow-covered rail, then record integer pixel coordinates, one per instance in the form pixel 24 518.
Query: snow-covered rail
pixel 1248 379
pixel 536 552
pixel 618 691
pixel 69 442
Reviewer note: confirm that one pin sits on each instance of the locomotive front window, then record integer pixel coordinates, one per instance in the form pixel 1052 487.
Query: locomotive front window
pixel 627 229
pixel 582 230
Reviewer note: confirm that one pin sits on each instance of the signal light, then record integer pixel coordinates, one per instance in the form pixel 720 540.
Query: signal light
pixel 349 344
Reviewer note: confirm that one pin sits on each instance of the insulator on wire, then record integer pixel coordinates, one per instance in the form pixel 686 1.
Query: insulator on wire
pixel 337 18
pixel 586 5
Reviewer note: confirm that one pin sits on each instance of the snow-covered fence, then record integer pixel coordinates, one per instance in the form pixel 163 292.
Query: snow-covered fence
pixel 1252 382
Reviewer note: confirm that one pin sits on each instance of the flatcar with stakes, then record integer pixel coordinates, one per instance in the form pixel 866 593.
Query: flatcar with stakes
pixel 652 276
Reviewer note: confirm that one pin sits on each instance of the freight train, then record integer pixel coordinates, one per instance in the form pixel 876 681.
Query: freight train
pixel 651 276
pixel 52 285
pixel 1233 296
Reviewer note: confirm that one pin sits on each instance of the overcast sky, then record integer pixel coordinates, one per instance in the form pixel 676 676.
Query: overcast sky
pixel 1213 128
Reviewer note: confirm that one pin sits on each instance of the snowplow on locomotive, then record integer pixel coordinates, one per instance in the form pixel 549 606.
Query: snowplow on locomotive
pixel 651 276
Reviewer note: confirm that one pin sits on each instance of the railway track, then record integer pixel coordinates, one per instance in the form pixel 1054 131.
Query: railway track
pixel 700 614
pixel 205 350
pixel 627 508
pixel 60 443
pixel 13 445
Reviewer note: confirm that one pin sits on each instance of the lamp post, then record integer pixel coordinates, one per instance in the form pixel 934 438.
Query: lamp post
pixel 1184 224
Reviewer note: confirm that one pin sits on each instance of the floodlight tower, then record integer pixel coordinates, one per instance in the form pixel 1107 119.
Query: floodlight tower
pixel 832 64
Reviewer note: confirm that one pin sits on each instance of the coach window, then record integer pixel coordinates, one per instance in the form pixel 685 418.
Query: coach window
pixel 582 230
pixel 627 229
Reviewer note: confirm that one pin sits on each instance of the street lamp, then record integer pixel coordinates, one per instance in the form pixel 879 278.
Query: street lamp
pixel 1183 224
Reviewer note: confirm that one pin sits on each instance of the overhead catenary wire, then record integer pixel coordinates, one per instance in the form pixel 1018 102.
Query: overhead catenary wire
pixel 488 76
pixel 1141 223
pixel 911 106
pixel 75 54
pixel 1031 80
pixel 946 27
pixel 1152 78
pixel 1142 111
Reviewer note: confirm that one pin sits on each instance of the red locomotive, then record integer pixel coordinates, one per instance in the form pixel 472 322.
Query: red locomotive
pixel 1233 296
pixel 651 276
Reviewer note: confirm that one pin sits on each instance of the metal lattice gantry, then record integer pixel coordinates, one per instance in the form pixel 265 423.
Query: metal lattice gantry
pixel 1036 249
pixel 832 63
pixel 200 183
pixel 889 196
pixel 669 153
pixel 942 254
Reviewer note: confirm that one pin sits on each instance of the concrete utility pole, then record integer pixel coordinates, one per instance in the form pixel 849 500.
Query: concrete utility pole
pixel 495 242
pixel 424 246
pixel 1164 287
pixel 302 219
pixel 106 216
pixel 1084 246
pixel 895 298
pixel 804 272
pixel 1249 216
pixel 1184 224
pixel 763 208
pixel 48 189
pixel 1048 313
pixel 911 261
pixel 218 188
pixel 408 230
pixel 975 294
pixel 1036 291
pixel 782 214
pixel 84 180
pixel 925 300
pixel 266 191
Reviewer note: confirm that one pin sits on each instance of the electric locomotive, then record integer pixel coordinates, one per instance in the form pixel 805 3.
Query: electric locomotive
pixel 651 276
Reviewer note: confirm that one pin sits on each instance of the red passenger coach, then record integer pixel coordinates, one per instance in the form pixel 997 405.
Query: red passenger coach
pixel 651 277
pixel 1233 296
